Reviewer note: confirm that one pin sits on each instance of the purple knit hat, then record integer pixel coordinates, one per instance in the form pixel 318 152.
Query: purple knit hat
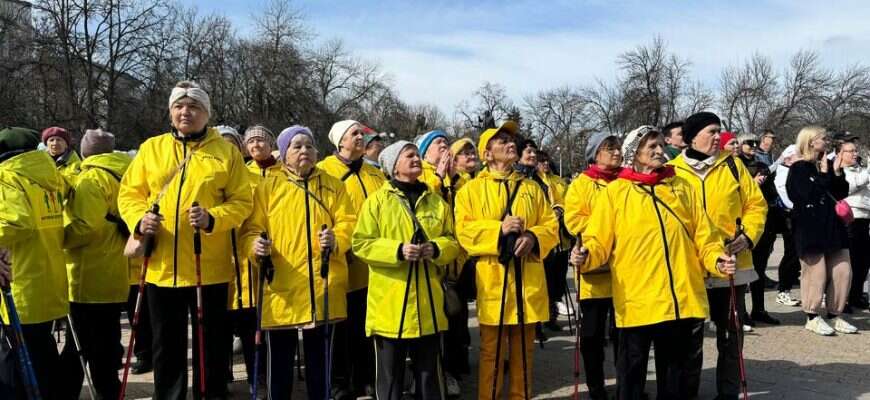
pixel 287 136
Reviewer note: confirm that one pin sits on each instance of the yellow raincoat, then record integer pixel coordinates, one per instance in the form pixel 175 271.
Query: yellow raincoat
pixel 96 266
pixel 31 227
pixel 479 208
pixel 724 200
pixel 657 250
pixel 436 184
pixel 359 186
pixel 286 211
pixel 243 288
pixel 582 195
pixel 215 176
pixel 69 169
pixel 384 224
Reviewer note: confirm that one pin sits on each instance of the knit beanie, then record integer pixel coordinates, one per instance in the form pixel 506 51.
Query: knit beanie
pixel 746 137
pixel 368 139
pixel 339 129
pixel 390 156
pixel 593 144
pixel 15 141
pixel 523 143
pixel 97 141
pixel 460 144
pixel 287 136
pixel 259 131
pixel 724 138
pixel 53 131
pixel 192 90
pixel 232 133
pixel 631 143
pixel 425 140
pixel 697 122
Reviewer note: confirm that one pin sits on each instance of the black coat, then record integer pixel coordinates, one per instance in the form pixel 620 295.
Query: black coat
pixel 816 226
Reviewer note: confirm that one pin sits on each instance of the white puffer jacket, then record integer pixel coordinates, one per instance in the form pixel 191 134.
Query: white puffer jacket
pixel 859 190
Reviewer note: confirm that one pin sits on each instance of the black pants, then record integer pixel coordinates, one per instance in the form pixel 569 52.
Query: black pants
pixel 280 353
pixel 457 339
pixel 760 257
pixel 789 266
pixel 729 339
pixel 672 342
pixel 98 327
pixel 555 272
pixel 170 309
pixel 142 347
pixel 425 355
pixel 593 330
pixel 243 323
pixel 859 251
pixel 354 352
pixel 45 358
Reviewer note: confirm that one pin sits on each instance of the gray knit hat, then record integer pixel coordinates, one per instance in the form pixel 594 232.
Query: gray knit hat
pixel 97 141
pixel 593 144
pixel 390 155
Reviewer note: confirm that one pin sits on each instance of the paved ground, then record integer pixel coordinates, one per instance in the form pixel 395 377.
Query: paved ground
pixel 783 362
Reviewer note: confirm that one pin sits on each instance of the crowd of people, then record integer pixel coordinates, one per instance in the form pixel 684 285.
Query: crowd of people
pixel 371 255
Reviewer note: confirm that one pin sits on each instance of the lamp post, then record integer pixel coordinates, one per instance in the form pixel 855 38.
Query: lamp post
pixel 559 150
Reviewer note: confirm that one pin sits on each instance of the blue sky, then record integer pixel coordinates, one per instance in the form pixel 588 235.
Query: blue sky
pixel 439 51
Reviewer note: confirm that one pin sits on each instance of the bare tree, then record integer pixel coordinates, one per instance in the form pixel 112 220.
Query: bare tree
pixel 490 100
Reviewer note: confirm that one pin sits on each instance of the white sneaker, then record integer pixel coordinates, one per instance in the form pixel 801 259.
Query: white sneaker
pixel 237 345
pixel 818 326
pixel 840 325
pixel 452 384
pixel 563 309
pixel 785 299
pixel 747 328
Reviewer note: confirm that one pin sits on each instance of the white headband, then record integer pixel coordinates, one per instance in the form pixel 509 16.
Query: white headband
pixel 198 95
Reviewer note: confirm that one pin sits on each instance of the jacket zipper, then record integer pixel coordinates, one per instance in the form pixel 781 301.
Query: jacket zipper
pixel 310 253
pixel 362 185
pixel 177 206
pixel 667 253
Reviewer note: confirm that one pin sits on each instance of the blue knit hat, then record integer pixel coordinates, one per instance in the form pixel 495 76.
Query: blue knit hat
pixel 427 138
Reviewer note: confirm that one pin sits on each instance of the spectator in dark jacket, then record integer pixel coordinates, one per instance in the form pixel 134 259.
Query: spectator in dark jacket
pixel 814 185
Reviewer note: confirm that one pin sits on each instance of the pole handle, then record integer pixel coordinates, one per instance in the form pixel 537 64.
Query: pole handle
pixel 266 262
pixel 324 257
pixel 149 239
pixel 197 236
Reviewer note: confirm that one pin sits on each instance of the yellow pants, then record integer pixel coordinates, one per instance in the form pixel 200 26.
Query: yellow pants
pixel 510 340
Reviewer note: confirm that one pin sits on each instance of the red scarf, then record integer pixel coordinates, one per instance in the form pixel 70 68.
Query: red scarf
pixel 652 178
pixel 597 173
pixel 267 162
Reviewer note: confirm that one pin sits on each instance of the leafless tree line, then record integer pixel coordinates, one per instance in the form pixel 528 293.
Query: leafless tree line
pixel 655 87
pixel 111 63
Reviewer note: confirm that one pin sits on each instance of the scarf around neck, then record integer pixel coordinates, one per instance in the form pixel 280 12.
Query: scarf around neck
pixel 595 172
pixel 653 178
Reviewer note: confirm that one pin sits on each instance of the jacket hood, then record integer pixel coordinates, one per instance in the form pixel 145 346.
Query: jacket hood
pixel 114 162
pixel 37 166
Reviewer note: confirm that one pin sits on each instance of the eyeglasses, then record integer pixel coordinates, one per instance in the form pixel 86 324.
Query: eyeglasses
pixel 751 143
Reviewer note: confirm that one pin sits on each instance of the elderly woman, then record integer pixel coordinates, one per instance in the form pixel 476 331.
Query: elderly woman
pixel 814 185
pixel 58 143
pixel 650 227
pixel 303 286
pixel 31 241
pixel 405 234
pixel 859 230
pixel 437 161
pixel 604 156
pixel 190 164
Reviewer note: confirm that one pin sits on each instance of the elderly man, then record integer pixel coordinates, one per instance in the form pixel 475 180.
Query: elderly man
pixel 200 183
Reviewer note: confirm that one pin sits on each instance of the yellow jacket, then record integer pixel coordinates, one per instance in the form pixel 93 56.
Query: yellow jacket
pixel 244 286
pixel 359 186
pixel 582 195
pixel 96 266
pixel 456 182
pixel 724 200
pixel 479 208
pixel 384 224
pixel 69 171
pixel 436 184
pixel 31 227
pixel 286 212
pixel 215 176
pixel 657 259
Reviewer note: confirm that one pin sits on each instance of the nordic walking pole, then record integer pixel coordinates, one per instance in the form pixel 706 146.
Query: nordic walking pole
pixel 506 254
pixel 734 317
pixel 72 330
pixel 578 245
pixel 200 326
pixel 148 243
pixel 521 320
pixel 324 274
pixel 411 267
pixel 31 387
pixel 266 273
